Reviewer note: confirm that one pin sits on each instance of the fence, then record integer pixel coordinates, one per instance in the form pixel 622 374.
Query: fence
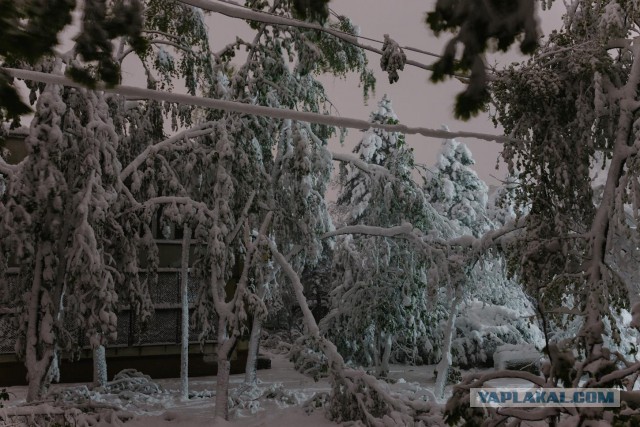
pixel 164 326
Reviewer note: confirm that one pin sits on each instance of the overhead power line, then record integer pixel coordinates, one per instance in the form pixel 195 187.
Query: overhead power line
pixel 257 110
pixel 241 12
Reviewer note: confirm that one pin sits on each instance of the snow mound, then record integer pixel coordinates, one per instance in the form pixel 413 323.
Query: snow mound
pixel 482 328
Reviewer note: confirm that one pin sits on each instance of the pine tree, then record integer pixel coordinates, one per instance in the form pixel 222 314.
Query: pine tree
pixel 456 191
pixel 380 287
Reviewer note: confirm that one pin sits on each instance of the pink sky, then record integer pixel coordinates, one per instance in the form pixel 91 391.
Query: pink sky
pixel 417 101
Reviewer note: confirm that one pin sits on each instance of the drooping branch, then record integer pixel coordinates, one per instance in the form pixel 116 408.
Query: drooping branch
pixel 265 18
pixel 399 230
pixel 351 383
pixel 194 132
pixel 258 110
pixel 6 168
pixel 600 231
pixel 164 200
pixel 369 168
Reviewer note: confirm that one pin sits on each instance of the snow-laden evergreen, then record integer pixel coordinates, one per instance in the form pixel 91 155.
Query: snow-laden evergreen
pixel 380 295
pixel 458 194
pixel 455 190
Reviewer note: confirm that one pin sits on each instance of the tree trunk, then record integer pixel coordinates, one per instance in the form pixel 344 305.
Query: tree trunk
pixel 99 366
pixel 251 369
pixel 445 363
pixel 385 354
pixel 184 293
pixel 225 348
pixel 222 389
pixel 39 343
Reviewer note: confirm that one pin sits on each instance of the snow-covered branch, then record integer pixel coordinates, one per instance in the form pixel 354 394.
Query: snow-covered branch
pixel 196 131
pixel 258 110
pixel 266 18
pixel 538 414
pixel 355 386
pixel 404 229
pixel 6 168
pixel 601 226
pixel 164 200
pixel 490 238
pixel 478 380
pixel 363 166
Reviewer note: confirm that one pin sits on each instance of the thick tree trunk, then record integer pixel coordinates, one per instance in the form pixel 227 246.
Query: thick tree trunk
pixel 184 293
pixel 39 344
pixel 445 363
pixel 226 345
pixel 222 389
pixel 99 366
pixel 385 354
pixel 251 369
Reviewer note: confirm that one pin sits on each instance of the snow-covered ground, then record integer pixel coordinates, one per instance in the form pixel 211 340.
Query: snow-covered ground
pixel 279 400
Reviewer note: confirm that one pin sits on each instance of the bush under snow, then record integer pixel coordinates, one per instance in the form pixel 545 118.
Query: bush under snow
pixel 481 328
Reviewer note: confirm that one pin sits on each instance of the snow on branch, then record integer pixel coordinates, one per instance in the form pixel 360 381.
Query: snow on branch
pixel 266 18
pixel 257 110
pixel 6 168
pixel 163 200
pixel 491 238
pixel 199 130
pixel 359 393
pixel 404 229
pixel 478 379
pixel 364 166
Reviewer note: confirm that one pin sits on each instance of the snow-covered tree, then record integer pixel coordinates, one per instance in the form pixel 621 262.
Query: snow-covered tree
pixel 81 223
pixel 571 105
pixel 62 214
pixel 456 191
pixel 380 285
pixel 284 197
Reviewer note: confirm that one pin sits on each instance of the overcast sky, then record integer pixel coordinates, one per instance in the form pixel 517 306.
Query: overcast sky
pixel 417 101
